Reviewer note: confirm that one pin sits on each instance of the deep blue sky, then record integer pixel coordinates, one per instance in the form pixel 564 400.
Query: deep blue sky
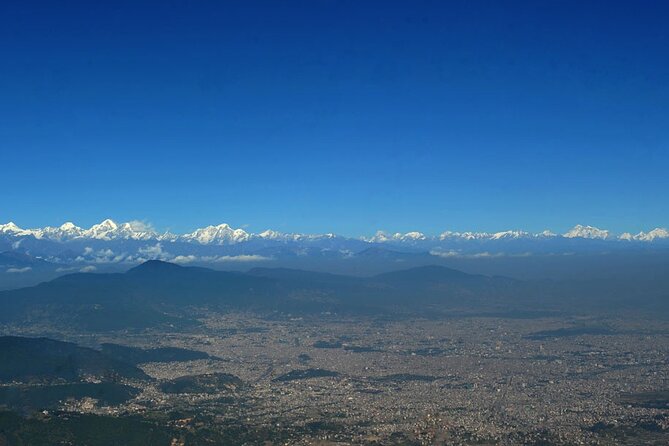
pixel 336 116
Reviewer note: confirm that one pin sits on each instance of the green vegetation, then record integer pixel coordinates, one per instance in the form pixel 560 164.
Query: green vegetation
pixel 150 429
pixel 89 430
pixel 41 360
pixel 134 355
pixel 30 398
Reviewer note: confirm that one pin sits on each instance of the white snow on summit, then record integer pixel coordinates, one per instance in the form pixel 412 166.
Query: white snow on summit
pixel 414 235
pixel 468 235
pixel 106 230
pixel 110 230
pixel 510 235
pixel 290 236
pixel 220 235
pixel 10 228
pixel 66 231
pixel 272 235
pixel 589 232
pixel 384 237
pixel 657 233
pixel 224 234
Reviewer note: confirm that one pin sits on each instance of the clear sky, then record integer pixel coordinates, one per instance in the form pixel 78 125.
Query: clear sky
pixel 340 116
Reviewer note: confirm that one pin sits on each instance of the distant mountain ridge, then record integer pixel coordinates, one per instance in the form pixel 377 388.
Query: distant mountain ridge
pixel 28 256
pixel 160 293
pixel 224 234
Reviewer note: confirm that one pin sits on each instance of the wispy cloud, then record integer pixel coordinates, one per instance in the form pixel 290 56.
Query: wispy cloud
pixel 154 252
pixel 184 259
pixel 101 256
pixel 220 259
pixel 66 269
pixel 478 255
pixel 241 258
pixel 19 270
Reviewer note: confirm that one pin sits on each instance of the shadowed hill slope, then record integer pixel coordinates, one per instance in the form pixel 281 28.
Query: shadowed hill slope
pixel 158 293
pixel 46 360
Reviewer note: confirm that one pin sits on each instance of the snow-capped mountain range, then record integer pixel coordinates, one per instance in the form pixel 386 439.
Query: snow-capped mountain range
pixel 109 244
pixel 106 230
pixel 224 234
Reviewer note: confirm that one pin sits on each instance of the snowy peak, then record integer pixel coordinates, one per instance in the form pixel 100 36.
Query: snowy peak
pixel 451 235
pixel 379 237
pixel 110 230
pixel 589 232
pixel 414 235
pixel 657 233
pixel 221 235
pixel 10 228
pixel 224 234
pixel 103 231
pixel 281 236
pixel 504 235
pixel 135 230
pixel 384 237
pixel 68 226
pixel 66 231
pixel 106 230
pixel 517 234
pixel 271 235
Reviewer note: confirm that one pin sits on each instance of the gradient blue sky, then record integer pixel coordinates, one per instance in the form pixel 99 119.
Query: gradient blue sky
pixel 338 116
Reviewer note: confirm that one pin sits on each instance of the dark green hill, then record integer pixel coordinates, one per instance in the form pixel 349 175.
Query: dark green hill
pixel 134 355
pixel 298 276
pixel 162 282
pixel 28 398
pixel 82 429
pixel 42 360
pixel 439 284
pixel 152 294
pixel 157 293
pixel 426 274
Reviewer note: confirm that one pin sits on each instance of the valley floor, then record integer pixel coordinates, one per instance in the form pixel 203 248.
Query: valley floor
pixel 363 380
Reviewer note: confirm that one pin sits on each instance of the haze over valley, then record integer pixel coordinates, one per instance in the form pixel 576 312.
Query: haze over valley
pixel 334 223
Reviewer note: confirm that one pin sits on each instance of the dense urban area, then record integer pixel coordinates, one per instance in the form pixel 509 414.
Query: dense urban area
pixel 330 379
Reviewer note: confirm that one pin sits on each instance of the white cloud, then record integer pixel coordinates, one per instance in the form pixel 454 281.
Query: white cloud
pixel 154 252
pixel 65 270
pixel 141 226
pixel 19 270
pixel 445 254
pixel 101 256
pixel 184 259
pixel 452 253
pixel 486 254
pixel 88 269
pixel 239 258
